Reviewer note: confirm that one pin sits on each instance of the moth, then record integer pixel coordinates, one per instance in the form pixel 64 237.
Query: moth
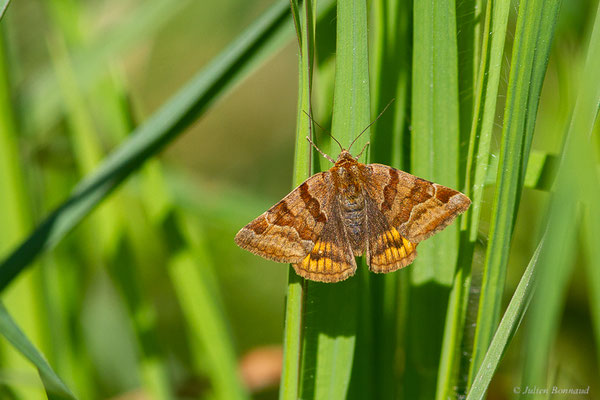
pixel 352 209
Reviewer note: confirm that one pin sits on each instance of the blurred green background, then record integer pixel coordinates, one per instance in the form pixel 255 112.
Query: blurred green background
pixel 109 306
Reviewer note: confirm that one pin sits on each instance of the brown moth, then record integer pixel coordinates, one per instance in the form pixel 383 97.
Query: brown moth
pixel 350 210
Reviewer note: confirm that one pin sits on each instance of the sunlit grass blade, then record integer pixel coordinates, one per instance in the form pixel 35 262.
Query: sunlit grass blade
pixel 506 329
pixel 577 171
pixel 55 388
pixel 390 75
pixel 485 110
pixel 435 120
pixel 531 48
pixel 331 312
pixel 469 17
pixel 168 122
pixel 303 17
pixel 434 156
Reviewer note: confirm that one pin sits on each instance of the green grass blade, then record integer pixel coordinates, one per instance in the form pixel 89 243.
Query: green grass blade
pixel 390 80
pixel 293 332
pixel 168 122
pixel 434 156
pixel 510 322
pixel 435 120
pixel 55 388
pixel 528 52
pixel 86 144
pixel 351 107
pixel 577 171
pixel 331 311
pixel 496 21
pixel 469 17
pixel 192 273
pixel 485 110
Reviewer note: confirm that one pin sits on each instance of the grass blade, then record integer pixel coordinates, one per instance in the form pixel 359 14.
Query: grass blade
pixel 435 119
pixel 330 319
pixel 508 326
pixel 149 138
pixel 496 21
pixel 55 388
pixel 293 334
pixel 192 273
pixel 485 110
pixel 531 48
pixel 390 80
pixel 434 156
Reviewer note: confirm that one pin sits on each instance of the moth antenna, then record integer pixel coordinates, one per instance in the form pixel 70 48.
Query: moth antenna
pixel 319 150
pixel 368 126
pixel 323 129
pixel 363 149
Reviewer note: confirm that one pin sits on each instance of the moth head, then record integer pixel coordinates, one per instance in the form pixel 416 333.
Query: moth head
pixel 345 156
